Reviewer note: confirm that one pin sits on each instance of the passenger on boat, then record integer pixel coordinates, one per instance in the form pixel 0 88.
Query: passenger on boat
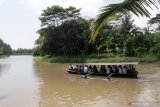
pixel 90 69
pixel 133 69
pixel 95 70
pixel 124 70
pixel 85 69
pixel 130 69
pixel 77 69
pixel 108 70
pixel 102 69
pixel 120 69
pixel 82 69
pixel 116 69
pixel 71 67
pixel 111 69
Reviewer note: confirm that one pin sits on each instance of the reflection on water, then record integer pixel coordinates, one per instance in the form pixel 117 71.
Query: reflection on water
pixel 27 83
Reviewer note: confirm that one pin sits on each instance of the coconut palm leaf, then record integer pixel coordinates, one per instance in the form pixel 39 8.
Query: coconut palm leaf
pixel 137 7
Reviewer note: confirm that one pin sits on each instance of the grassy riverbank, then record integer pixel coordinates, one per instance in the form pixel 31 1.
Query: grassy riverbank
pixel 2 56
pixel 94 58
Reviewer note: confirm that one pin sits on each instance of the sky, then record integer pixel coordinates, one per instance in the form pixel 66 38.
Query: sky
pixel 19 18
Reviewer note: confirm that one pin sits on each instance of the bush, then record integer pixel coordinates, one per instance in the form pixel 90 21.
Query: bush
pixel 156 49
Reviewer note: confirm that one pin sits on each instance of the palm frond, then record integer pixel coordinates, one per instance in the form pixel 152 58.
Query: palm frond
pixel 137 7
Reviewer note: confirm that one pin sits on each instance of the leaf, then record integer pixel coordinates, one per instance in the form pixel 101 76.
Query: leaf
pixel 137 7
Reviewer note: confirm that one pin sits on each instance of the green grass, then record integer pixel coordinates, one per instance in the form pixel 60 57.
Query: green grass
pixel 95 58
pixel 114 59
pixel 150 58
pixel 2 56
pixel 62 59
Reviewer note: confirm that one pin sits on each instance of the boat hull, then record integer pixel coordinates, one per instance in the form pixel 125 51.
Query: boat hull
pixel 128 75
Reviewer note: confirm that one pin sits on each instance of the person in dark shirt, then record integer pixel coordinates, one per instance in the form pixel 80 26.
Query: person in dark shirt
pixel 95 69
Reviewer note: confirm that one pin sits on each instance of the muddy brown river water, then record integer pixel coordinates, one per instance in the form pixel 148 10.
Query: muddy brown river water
pixel 26 83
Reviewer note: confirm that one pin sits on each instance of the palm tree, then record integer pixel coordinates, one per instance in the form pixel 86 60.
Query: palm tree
pixel 155 20
pixel 137 7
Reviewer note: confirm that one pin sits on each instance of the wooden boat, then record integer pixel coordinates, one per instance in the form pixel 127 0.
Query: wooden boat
pixel 131 74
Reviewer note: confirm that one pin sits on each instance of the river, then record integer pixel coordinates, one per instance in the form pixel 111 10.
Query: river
pixel 24 82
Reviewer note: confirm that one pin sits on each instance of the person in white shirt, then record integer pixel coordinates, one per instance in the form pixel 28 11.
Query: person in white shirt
pixel 85 69
pixel 120 69
pixel 124 69
pixel 108 70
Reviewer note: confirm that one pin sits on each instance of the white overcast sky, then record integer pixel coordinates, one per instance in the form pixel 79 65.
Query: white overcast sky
pixel 19 18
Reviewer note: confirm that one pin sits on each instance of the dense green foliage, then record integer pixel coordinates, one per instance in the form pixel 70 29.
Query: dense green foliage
pixel 65 33
pixel 5 49
pixel 123 37
pixel 21 51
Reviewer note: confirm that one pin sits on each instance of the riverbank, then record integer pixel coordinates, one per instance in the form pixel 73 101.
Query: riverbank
pixel 94 58
pixel 22 54
pixel 3 56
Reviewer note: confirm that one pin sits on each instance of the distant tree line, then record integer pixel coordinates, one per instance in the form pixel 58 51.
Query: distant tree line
pixel 21 51
pixel 5 49
pixel 65 33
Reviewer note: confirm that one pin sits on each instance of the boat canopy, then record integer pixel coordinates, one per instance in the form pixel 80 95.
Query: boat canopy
pixel 121 63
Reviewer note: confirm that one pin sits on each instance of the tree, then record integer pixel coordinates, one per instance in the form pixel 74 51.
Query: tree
pixel 56 15
pixel 155 20
pixel 116 32
pixel 137 7
pixel 21 51
pixel 70 38
pixel 127 27
pixel 5 49
pixel 63 32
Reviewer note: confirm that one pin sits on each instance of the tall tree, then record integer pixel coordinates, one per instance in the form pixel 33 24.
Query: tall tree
pixel 117 31
pixel 68 35
pixel 56 15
